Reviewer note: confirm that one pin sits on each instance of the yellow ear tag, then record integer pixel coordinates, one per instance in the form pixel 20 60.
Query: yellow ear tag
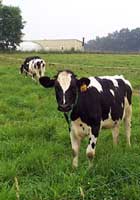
pixel 83 88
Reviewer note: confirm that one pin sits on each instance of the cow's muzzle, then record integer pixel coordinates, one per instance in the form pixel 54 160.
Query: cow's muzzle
pixel 64 108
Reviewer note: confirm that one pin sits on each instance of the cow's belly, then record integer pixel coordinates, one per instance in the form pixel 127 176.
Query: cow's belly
pixel 108 123
pixel 81 129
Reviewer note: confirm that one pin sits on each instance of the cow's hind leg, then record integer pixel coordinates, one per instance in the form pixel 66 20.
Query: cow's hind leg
pixel 115 132
pixel 21 70
pixel 127 123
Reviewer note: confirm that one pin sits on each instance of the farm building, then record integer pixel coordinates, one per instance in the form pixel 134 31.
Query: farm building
pixel 29 46
pixel 52 45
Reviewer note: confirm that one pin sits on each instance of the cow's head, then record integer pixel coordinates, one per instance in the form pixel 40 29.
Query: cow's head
pixel 66 88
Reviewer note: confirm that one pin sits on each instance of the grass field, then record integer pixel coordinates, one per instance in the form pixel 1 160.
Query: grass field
pixel 34 140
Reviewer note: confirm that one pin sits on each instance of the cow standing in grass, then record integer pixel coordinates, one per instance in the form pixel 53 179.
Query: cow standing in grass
pixel 33 66
pixel 90 104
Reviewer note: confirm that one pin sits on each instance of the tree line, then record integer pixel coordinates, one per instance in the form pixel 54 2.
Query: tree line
pixel 124 40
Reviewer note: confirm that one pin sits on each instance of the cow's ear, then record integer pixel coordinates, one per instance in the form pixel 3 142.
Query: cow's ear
pixel 83 84
pixel 46 82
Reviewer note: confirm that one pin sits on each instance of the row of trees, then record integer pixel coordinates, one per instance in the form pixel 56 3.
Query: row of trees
pixel 11 26
pixel 124 40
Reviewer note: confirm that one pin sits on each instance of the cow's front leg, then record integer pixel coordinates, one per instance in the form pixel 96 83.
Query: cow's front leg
pixel 33 77
pixel 94 131
pixel 43 72
pixel 75 142
pixel 38 74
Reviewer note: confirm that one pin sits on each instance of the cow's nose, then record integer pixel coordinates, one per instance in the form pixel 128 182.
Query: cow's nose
pixel 64 107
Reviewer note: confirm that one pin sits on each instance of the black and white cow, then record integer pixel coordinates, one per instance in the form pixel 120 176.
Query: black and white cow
pixel 24 68
pixel 90 104
pixel 33 66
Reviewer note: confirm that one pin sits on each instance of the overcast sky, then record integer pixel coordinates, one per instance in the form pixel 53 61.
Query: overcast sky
pixel 74 19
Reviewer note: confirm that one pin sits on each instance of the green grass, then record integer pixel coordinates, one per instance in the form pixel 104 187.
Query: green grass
pixel 34 140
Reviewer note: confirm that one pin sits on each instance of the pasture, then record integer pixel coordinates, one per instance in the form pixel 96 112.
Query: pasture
pixel 34 139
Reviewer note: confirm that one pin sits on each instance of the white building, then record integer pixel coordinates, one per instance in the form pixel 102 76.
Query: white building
pixel 29 46
pixel 52 45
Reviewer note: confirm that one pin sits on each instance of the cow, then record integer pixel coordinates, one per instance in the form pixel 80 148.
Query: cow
pixel 24 68
pixel 90 104
pixel 33 66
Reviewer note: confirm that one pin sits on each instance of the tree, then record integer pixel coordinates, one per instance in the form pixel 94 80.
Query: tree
pixel 123 41
pixel 11 25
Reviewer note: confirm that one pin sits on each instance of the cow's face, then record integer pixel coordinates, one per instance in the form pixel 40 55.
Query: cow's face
pixel 65 89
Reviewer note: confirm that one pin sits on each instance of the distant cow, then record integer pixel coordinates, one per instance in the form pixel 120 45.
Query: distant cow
pixel 90 104
pixel 33 66
pixel 25 66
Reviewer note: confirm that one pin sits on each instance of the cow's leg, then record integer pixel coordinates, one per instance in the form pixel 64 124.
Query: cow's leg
pixel 43 71
pixel 115 132
pixel 94 131
pixel 127 123
pixel 21 69
pixel 38 74
pixel 33 76
pixel 75 142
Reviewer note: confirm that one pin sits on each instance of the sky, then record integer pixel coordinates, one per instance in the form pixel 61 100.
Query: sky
pixel 75 19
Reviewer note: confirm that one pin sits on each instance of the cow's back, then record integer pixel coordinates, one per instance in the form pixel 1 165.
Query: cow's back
pixel 105 99
pixel 116 93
